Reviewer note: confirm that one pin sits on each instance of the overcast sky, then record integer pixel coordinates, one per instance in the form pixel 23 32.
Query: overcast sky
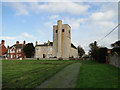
pixel 32 22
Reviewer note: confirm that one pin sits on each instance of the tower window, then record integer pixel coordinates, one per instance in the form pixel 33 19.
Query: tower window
pixel 62 30
pixel 56 31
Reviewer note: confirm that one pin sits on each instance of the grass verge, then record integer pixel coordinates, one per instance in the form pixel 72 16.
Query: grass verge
pixel 96 75
pixel 29 73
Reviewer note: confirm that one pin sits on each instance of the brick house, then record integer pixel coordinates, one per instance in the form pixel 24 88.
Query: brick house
pixel 3 49
pixel 16 51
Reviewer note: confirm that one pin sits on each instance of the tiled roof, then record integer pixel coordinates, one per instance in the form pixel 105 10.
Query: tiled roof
pixel 17 46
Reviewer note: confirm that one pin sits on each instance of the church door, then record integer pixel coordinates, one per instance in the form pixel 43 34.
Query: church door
pixel 43 55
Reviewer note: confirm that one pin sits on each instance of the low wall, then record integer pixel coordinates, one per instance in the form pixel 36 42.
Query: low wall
pixel 115 60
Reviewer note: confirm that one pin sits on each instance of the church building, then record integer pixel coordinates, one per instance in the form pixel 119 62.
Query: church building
pixel 61 47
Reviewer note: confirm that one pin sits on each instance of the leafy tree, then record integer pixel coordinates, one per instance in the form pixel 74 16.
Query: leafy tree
pixel 116 47
pixel 98 53
pixel 93 50
pixel 81 51
pixel 29 50
pixel 116 44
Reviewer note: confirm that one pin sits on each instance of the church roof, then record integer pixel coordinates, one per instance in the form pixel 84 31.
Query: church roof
pixel 51 44
pixel 73 46
pixel 46 44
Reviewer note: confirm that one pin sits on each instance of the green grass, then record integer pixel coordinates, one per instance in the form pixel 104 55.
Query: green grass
pixel 29 73
pixel 96 75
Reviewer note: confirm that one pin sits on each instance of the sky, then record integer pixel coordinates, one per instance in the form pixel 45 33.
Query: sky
pixel 33 21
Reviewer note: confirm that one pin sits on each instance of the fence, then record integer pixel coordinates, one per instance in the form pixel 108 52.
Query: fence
pixel 114 60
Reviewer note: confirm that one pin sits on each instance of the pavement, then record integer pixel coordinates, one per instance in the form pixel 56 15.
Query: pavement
pixel 66 78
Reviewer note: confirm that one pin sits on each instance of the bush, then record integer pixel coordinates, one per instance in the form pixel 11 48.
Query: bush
pixel 115 49
pixel 102 53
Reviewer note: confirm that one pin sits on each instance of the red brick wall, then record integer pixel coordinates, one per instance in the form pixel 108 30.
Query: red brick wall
pixel 15 54
pixel 3 49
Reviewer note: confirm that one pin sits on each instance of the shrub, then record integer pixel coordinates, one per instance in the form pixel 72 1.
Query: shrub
pixel 115 49
pixel 102 53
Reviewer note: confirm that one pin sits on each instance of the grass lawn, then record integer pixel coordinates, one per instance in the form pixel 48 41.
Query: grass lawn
pixel 29 73
pixel 96 75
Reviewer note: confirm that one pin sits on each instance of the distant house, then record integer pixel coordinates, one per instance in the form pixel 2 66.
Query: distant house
pixel 3 49
pixel 116 44
pixel 44 50
pixel 16 51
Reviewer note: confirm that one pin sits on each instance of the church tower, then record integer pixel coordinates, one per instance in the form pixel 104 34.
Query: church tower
pixel 61 40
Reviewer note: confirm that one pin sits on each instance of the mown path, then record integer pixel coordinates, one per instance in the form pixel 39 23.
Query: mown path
pixel 66 78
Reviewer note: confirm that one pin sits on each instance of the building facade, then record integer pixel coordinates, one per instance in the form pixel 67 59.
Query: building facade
pixel 16 51
pixel 61 47
pixel 44 50
pixel 3 49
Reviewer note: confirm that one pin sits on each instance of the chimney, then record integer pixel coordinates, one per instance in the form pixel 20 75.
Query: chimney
pixel 2 42
pixel 17 42
pixel 36 43
pixel 24 42
pixel 48 42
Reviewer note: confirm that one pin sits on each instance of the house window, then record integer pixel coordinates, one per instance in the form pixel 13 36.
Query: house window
pixel 11 56
pixel 62 30
pixel 38 49
pixel 56 31
pixel 19 50
pixel 49 49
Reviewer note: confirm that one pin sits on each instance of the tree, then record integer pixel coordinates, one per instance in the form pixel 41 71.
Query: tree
pixel 98 53
pixel 116 44
pixel 80 51
pixel 116 47
pixel 29 50
pixel 94 50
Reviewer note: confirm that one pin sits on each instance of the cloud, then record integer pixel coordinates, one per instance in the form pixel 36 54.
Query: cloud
pixel 49 7
pixel 20 8
pixel 60 7
pixel 7 37
pixel 12 40
pixel 26 35
pixel 102 16
pixel 75 23
pixel 54 17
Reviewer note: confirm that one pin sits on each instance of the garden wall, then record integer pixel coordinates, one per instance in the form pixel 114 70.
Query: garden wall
pixel 115 60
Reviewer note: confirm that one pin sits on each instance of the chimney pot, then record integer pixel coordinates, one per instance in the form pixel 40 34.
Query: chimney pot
pixel 3 42
pixel 24 42
pixel 17 42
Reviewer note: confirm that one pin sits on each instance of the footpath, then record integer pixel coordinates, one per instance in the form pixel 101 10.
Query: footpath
pixel 66 78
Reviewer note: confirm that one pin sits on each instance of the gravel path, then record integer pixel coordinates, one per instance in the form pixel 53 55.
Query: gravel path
pixel 66 78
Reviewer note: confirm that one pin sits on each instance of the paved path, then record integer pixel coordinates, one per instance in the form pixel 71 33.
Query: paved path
pixel 66 78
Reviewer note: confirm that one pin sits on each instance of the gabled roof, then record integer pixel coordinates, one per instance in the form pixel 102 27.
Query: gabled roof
pixel 17 46
pixel 73 46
